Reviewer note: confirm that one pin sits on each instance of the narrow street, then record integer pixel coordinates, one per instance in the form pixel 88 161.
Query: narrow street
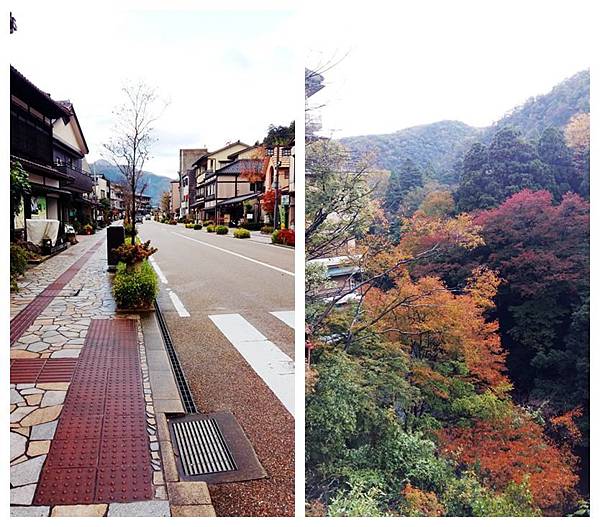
pixel 229 306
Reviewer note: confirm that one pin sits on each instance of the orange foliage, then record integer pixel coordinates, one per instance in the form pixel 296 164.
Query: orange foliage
pixel 435 324
pixel 510 449
pixel 422 503
pixel 565 428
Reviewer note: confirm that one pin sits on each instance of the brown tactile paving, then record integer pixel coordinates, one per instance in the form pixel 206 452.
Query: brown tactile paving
pixel 25 318
pixel 34 371
pixel 101 452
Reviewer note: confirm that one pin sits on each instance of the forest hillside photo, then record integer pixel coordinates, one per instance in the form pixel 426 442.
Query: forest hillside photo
pixel 447 315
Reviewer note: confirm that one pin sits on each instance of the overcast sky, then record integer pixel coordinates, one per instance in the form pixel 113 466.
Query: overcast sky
pixel 227 74
pixel 425 61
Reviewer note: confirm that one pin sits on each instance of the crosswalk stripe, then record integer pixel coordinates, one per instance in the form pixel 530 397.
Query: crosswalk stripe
pixel 286 317
pixel 273 366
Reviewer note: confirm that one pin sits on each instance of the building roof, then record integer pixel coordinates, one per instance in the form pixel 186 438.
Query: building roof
pixel 208 154
pixel 22 87
pixel 238 199
pixel 68 105
pixel 242 165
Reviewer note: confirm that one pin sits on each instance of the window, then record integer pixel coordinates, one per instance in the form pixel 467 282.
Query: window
pixel 258 186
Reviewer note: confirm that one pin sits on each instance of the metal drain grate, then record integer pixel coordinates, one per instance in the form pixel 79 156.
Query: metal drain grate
pixel 182 385
pixel 202 447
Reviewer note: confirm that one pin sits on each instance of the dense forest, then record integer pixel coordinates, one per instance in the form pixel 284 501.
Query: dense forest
pixel 456 380
pixel 436 147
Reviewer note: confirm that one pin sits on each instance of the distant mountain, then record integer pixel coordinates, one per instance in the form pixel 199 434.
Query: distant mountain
pixel 433 147
pixel 156 184
pixel 437 146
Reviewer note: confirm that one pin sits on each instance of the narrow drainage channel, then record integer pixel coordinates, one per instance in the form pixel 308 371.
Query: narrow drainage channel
pixel 182 384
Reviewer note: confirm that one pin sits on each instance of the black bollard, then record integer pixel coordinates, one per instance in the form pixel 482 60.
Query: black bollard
pixel 115 236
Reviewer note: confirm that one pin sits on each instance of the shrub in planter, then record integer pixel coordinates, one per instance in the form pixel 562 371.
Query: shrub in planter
pixel 284 237
pixel 133 255
pixel 267 229
pixel 197 226
pixel 206 223
pixel 88 229
pixel 241 233
pixel 18 264
pixel 135 287
pixel 221 229
pixel 173 222
pixel 129 228
pixel 210 228
pixel 189 225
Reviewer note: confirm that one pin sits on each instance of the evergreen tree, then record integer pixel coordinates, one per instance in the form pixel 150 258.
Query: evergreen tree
pixel 510 164
pixel 401 183
pixel 553 151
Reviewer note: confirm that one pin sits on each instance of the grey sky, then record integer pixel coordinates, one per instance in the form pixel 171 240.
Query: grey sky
pixel 410 63
pixel 227 74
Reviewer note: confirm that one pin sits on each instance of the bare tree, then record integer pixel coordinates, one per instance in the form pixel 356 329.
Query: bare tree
pixel 133 137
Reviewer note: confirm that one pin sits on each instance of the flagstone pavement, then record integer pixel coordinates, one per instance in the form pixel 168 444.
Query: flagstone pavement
pixel 35 409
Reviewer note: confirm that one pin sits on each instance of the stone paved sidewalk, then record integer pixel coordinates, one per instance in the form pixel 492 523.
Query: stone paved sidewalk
pixel 59 332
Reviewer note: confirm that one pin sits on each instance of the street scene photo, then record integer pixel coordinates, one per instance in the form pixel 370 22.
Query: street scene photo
pixel 152 244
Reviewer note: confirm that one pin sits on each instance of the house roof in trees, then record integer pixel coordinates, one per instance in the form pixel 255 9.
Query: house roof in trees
pixel 24 89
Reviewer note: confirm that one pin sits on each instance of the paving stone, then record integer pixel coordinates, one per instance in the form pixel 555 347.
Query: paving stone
pixel 31 391
pixel 26 472
pixel 34 400
pixel 43 431
pixel 30 511
pixel 38 346
pixel 28 339
pixel 24 386
pixel 67 353
pixel 42 415
pixel 19 460
pixel 52 398
pixel 140 508
pixel 23 354
pixel 24 431
pixel 15 397
pixel 79 510
pixel 18 443
pixel 189 493
pixel 193 510
pixel 54 385
pixel 22 495
pixel 37 448
pixel 170 467
pixel 19 413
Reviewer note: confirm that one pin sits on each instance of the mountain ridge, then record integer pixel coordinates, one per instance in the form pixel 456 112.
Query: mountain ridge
pixel 435 147
pixel 156 185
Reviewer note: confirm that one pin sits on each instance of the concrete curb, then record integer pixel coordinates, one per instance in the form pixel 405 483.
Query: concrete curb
pixel 186 498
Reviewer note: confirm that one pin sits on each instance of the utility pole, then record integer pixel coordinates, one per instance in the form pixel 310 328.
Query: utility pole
pixel 276 186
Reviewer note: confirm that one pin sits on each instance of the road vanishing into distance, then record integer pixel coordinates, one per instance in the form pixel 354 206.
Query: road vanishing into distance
pixel 229 306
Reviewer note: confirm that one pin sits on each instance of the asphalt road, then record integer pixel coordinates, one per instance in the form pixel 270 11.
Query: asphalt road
pixel 225 278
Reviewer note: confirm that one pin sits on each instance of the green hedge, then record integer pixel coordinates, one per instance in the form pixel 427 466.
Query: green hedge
pixel 210 228
pixel 221 229
pixel 135 288
pixel 197 226
pixel 241 233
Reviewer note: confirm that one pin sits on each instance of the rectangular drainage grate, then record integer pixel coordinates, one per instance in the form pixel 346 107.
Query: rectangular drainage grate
pixel 202 447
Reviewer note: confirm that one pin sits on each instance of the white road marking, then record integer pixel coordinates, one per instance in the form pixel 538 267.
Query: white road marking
pixel 273 366
pixel 236 254
pixel 285 316
pixel 160 274
pixel 178 304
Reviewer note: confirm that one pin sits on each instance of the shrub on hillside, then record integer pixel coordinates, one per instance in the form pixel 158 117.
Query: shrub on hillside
pixel 221 229
pixel 241 233
pixel 135 287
